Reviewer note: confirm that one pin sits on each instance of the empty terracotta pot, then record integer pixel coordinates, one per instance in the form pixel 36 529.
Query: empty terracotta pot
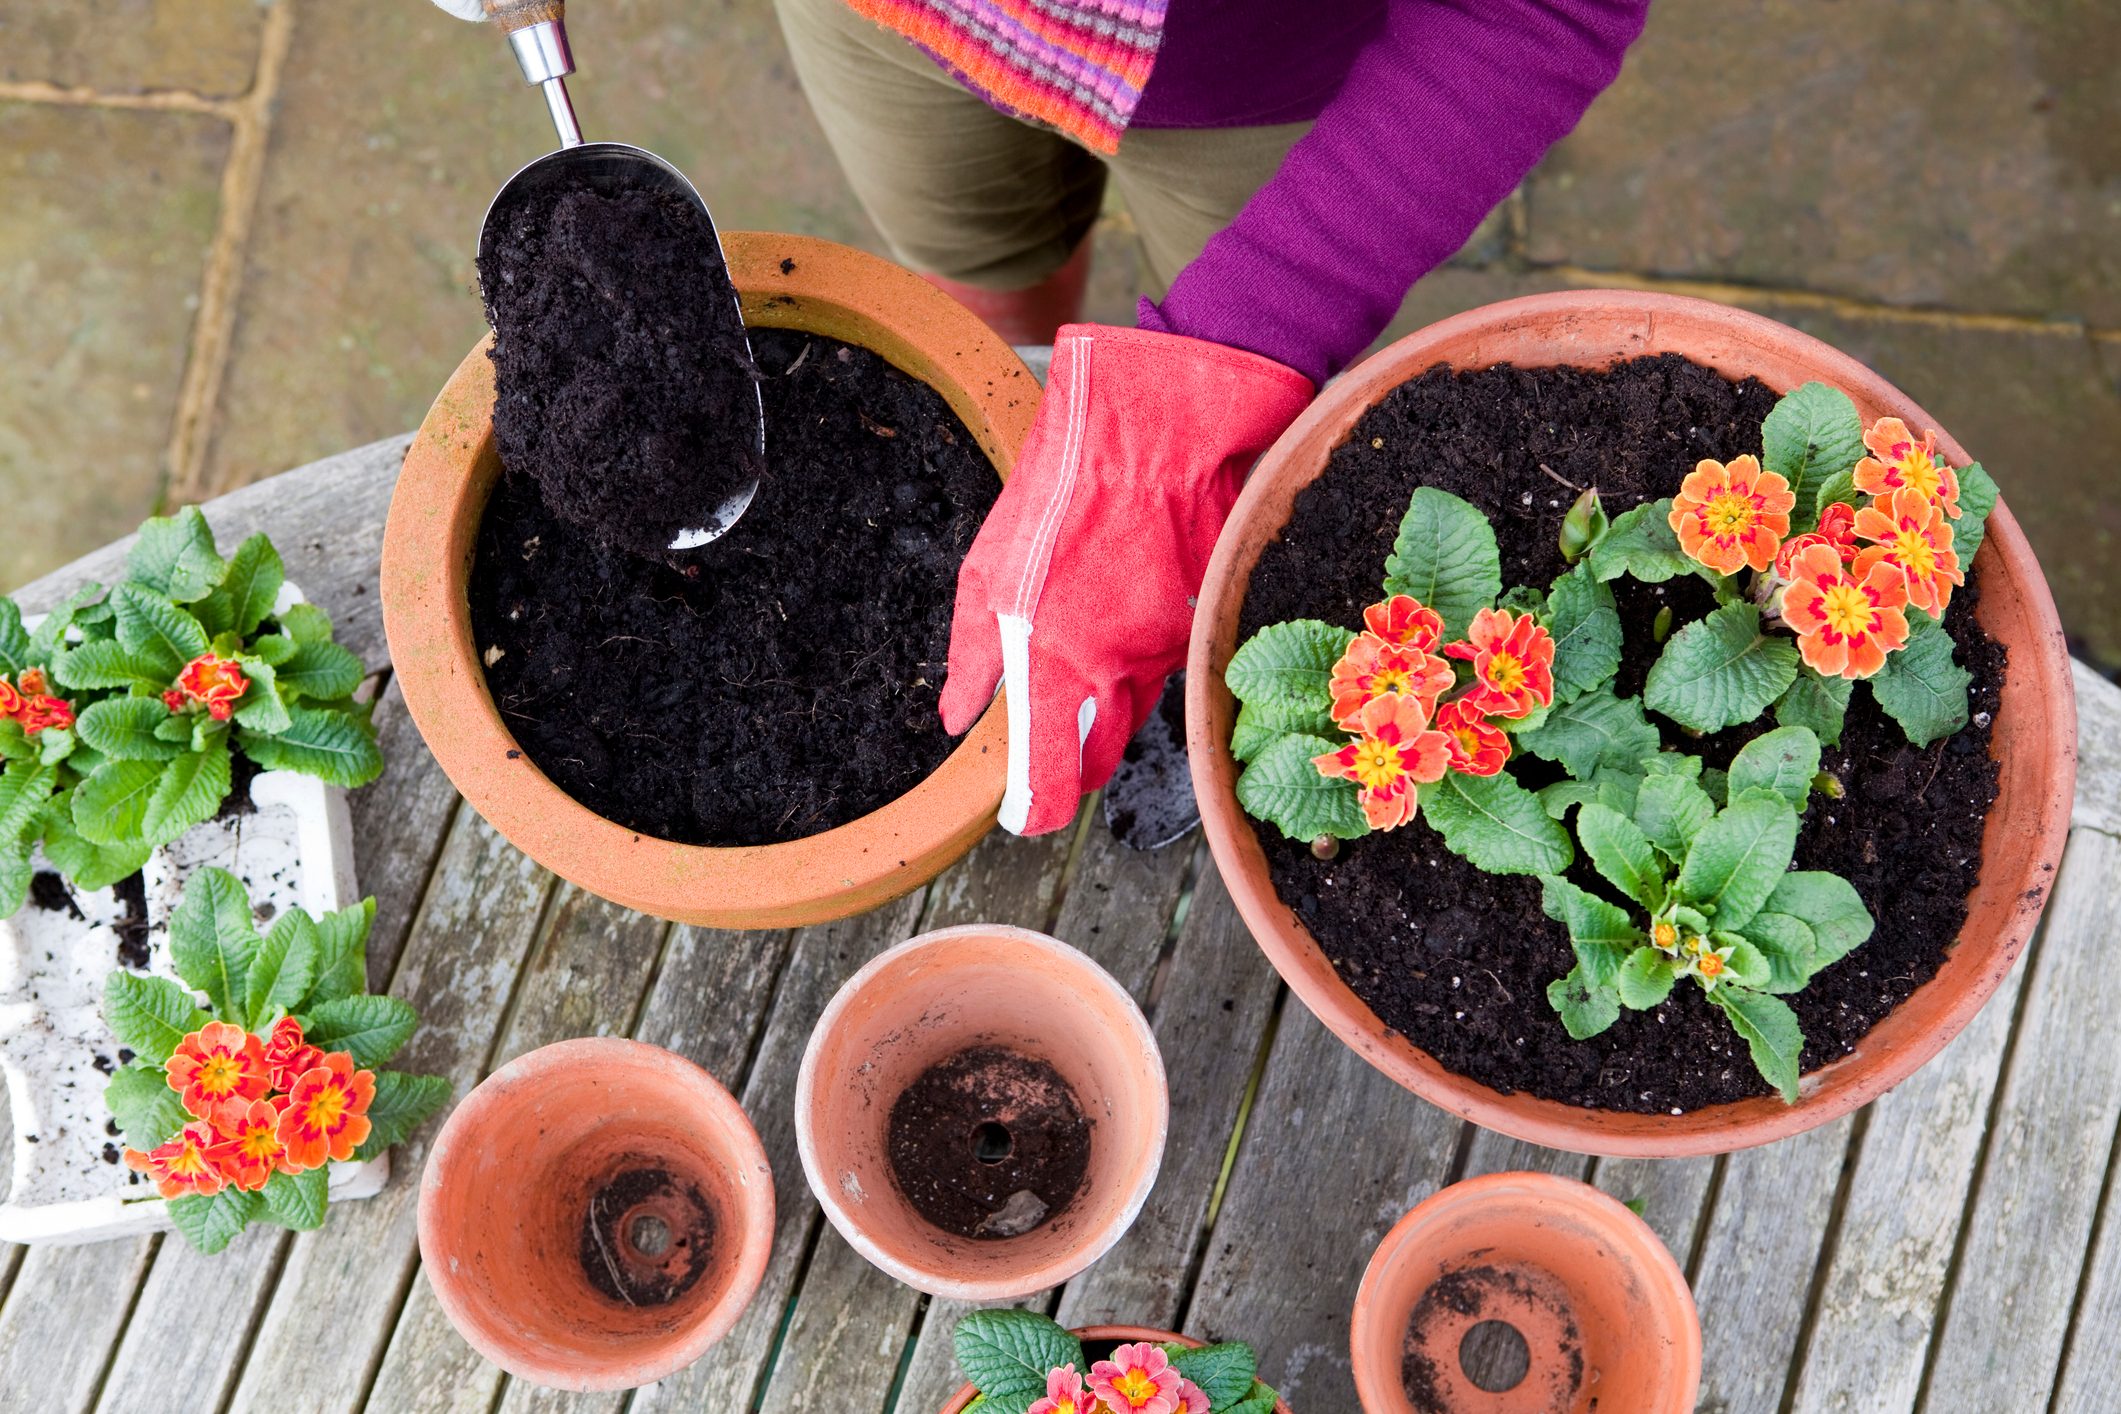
pixel 2035 740
pixel 933 998
pixel 1604 1313
pixel 1093 1336
pixel 596 1214
pixel 786 282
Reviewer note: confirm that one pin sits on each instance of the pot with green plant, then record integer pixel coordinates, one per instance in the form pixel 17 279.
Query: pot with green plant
pixel 1025 1362
pixel 197 715
pixel 1656 744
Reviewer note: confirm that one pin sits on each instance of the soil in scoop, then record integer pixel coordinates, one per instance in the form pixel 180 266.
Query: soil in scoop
pixel 1458 961
pixel 989 1143
pixel 647 1237
pixel 786 682
pixel 622 382
pixel 1469 1292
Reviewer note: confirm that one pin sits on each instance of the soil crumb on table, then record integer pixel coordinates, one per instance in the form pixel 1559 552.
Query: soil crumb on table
pixel 623 387
pixel 989 1143
pixel 786 682
pixel 647 1237
pixel 1457 960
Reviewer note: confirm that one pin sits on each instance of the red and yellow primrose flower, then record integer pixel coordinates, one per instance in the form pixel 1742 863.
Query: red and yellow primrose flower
pixel 181 1167
pixel 218 1070
pixel 1846 619
pixel 1513 664
pixel 1910 531
pixel 1138 1379
pixel 326 1113
pixel 216 684
pixel 1897 461
pixel 1374 667
pixel 1393 755
pixel 32 704
pixel 1730 517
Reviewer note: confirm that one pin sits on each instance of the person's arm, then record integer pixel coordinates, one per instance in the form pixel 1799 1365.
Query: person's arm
pixel 1441 115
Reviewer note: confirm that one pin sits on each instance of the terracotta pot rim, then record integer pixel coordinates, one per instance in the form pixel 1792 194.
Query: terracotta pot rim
pixel 1370 1323
pixel 938 1280
pixel 1124 1335
pixel 433 520
pixel 754 1228
pixel 1515 331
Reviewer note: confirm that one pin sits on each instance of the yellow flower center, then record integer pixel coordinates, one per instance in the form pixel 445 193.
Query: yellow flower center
pixel 1468 742
pixel 261 1143
pixel 1392 680
pixel 220 1075
pixel 1711 965
pixel 1920 472
pixel 1847 610
pixel 1915 553
pixel 1505 672
pixel 1664 935
pixel 1377 763
pixel 1136 1388
pixel 190 1160
pixel 325 1109
pixel 1729 513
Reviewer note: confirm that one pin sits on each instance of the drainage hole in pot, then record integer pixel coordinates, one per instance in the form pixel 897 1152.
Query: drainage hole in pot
pixel 647 1237
pixel 1494 1356
pixel 989 1143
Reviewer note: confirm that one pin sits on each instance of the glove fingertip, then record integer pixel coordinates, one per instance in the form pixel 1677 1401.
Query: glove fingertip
pixel 965 697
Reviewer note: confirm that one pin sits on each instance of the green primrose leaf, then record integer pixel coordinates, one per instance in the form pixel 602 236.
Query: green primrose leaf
pixel 282 970
pixel 1641 545
pixel 88 866
pixel 1523 599
pixel 15 875
pixel 1813 434
pixel 1977 500
pixel 1260 1399
pixel 342 955
pixel 156 630
pixel 252 586
pixel 1592 731
pixel 1225 1372
pixel 274 648
pixel 1746 966
pixel 1812 920
pixel 1007 1352
pixel 149 1015
pixel 24 789
pixel 210 1224
pixel 14 742
pixel 1281 674
pixel 190 791
pixel 1445 556
pixel 175 557
pixel 306 623
pixel 146 1109
pixel 323 671
pixel 402 1104
pixel 1585 1010
pixel 261 708
pixel 1720 671
pixel 111 805
pixel 1921 687
pixel 1771 1033
pixel 1717 784
pixel 1585 625
pixel 1645 979
pixel 51 634
pixel 371 1028
pixel 108 663
pixel 297 1201
pixel 213 940
pixel 1284 789
pixel 334 746
pixel 1738 858
pixel 1622 853
pixel 1782 761
pixel 1600 931
pixel 1817 703
pixel 123 728
pixel 1496 824
pixel 1249 737
pixel 14 640
pixel 1670 810
pixel 1841 486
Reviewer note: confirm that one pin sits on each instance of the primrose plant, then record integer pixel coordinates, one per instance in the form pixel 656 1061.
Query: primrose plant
pixel 1022 1362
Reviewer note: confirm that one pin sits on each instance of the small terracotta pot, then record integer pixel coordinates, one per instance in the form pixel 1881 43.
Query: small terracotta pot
pixel 557 1139
pixel 786 282
pixel 1118 1335
pixel 2035 738
pixel 1604 1310
pixel 924 1001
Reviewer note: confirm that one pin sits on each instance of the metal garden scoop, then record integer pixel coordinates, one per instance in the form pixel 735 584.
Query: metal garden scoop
pixel 537 32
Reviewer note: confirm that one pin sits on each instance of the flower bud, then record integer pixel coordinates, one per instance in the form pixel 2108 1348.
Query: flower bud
pixel 1583 526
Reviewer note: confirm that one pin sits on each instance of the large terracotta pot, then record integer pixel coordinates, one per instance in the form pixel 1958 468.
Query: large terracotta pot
pixel 1117 1335
pixel 2034 741
pixel 786 282
pixel 547 1144
pixel 1605 1314
pixel 928 999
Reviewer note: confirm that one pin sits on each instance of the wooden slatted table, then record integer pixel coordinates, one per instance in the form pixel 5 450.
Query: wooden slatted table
pixel 1955 1247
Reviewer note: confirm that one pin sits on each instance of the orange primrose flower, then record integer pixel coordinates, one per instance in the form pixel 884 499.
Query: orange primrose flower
pixel 1729 517
pixel 181 1167
pixel 41 712
pixel 209 682
pixel 249 1152
pixel 33 683
pixel 325 1114
pixel 1394 753
pixel 1837 527
pixel 287 1056
pixel 1513 664
pixel 1138 1379
pixel 1845 623
pixel 219 1069
pixel 10 700
pixel 1374 668
pixel 1910 531
pixel 1897 460
pixel 1064 1394
pixel 1405 620
pixel 1477 748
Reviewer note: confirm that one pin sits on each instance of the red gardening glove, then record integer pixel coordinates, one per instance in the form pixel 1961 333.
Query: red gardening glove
pixel 1079 591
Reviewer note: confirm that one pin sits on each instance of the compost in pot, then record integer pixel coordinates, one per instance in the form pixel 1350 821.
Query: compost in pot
pixel 989 1143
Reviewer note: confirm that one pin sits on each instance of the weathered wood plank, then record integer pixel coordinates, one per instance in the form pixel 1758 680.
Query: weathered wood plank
pixel 1671 1192
pixel 2098 802
pixel 326 520
pixel 1494 1153
pixel 1757 1262
pixel 586 977
pixel 2091 1372
pixel 2001 1340
pixel 459 969
pixel 66 1307
pixel 1900 1223
pixel 399 823
pixel 1327 1136
pixel 165 1347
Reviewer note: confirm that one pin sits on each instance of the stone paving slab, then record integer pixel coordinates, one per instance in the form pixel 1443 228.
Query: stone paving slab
pixel 104 229
pixel 204 47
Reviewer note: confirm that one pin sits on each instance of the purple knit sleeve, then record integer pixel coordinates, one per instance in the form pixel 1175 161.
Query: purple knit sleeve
pixel 1442 114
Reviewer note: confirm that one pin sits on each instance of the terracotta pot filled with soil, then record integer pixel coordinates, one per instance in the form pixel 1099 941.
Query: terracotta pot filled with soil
pixel 596 1214
pixel 1437 972
pixel 981 1112
pixel 1523 1292
pixel 744 735
pixel 1098 1343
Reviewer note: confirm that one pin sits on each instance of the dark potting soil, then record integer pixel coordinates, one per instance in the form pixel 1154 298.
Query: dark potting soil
pixel 1458 961
pixel 989 1143
pixel 1468 1292
pixel 647 1237
pixel 622 383
pixel 786 681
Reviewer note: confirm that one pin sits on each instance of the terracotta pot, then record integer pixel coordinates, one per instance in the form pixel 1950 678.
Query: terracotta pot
pixel 1118 1335
pixel 786 282
pixel 924 1001
pixel 558 1137
pixel 2035 734
pixel 1604 1311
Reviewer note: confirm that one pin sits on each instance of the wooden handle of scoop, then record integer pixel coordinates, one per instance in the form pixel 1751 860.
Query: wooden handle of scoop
pixel 512 15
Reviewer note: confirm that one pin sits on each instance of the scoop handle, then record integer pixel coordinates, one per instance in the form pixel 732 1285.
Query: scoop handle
pixel 512 15
pixel 537 32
